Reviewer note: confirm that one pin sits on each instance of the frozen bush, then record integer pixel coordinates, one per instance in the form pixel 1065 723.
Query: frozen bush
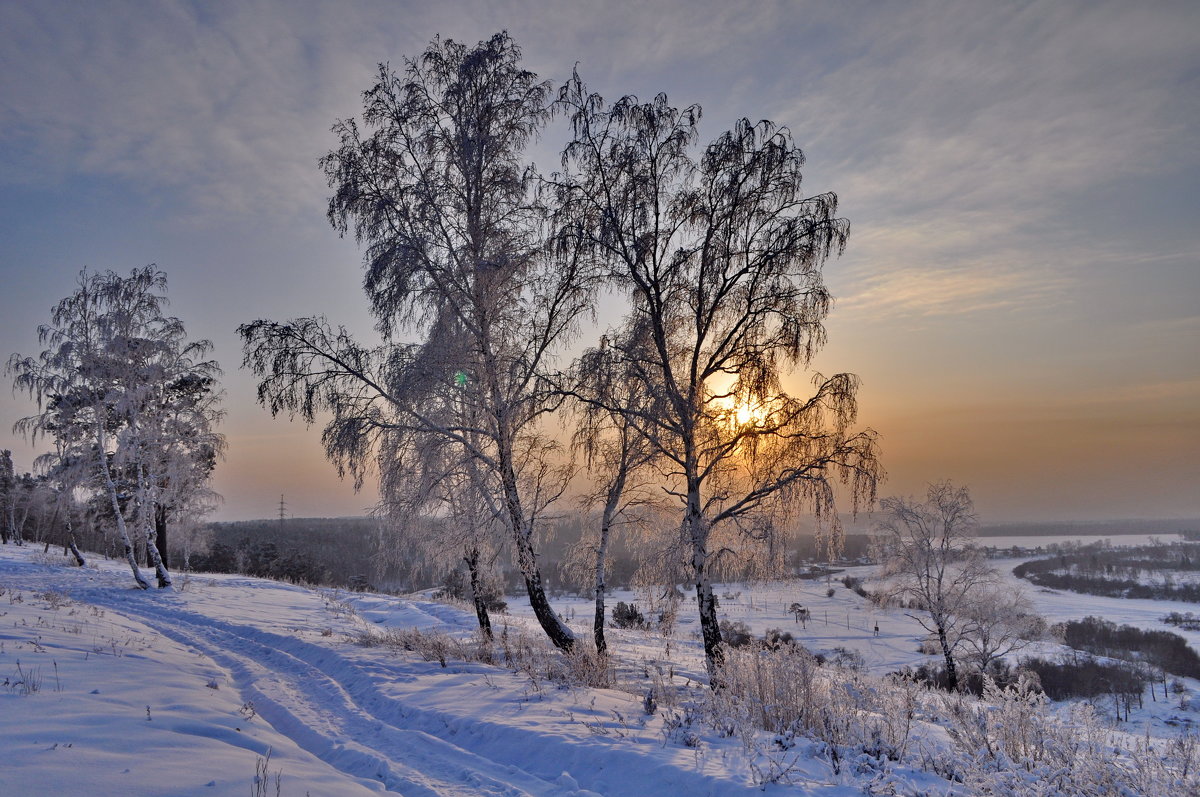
pixel 627 615
pixel 736 634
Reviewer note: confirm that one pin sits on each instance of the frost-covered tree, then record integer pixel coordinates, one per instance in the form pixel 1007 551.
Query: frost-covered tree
pixel 928 556
pixel 111 387
pixel 9 530
pixel 174 447
pixel 434 186
pixel 719 254
pixel 435 499
pixel 999 619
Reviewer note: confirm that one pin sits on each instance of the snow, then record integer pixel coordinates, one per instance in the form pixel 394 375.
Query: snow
pixel 182 692
pixel 186 691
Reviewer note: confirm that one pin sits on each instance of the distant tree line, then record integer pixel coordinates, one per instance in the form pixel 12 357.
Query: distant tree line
pixel 334 551
pixel 354 552
pixel 1119 572
pixel 1161 649
pixel 1109 528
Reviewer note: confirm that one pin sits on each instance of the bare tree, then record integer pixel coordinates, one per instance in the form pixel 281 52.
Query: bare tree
pixel 435 189
pixel 927 552
pixel 720 256
pixel 619 458
pixel 434 497
pixel 999 619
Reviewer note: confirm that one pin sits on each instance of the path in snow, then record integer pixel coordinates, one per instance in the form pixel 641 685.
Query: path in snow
pixel 333 708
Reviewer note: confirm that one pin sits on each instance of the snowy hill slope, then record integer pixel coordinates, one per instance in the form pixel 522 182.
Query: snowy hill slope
pixel 116 691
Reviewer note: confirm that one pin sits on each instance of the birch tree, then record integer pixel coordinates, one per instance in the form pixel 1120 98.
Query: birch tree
pixel 720 256
pixel 619 459
pixel 434 186
pixel 927 553
pixel 112 358
pixel 434 497
pixel 999 619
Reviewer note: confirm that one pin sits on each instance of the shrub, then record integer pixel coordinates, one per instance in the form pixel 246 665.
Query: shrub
pixel 627 615
pixel 854 584
pixel 1084 677
pixel 736 633
pixel 775 639
pixel 847 659
pixel 971 681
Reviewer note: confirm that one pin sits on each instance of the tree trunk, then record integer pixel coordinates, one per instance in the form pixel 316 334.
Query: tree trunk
pixel 951 670
pixel 122 530
pixel 560 635
pixel 710 628
pixel 556 630
pixel 79 560
pixel 160 534
pixel 152 553
pixel 8 487
pixel 606 520
pixel 481 610
pixel 14 529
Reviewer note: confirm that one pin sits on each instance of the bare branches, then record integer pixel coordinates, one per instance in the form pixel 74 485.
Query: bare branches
pixel 927 549
pixel 720 255
pixel 432 182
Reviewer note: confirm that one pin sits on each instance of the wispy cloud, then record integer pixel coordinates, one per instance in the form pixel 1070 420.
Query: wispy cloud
pixel 962 290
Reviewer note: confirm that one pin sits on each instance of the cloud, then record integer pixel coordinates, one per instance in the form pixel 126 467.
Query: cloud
pixel 963 290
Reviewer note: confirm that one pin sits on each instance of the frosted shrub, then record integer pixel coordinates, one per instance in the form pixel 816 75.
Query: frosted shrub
pixel 584 666
pixel 1009 744
pixel 516 650
pixel 429 645
pixel 780 685
pixel 628 615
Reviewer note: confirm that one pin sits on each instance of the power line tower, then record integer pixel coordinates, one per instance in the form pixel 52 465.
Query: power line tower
pixel 282 512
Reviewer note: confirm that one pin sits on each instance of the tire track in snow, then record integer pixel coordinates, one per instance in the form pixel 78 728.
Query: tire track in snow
pixel 330 707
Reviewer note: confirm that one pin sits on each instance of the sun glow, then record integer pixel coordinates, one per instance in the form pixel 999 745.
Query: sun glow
pixel 746 413
pixel 739 410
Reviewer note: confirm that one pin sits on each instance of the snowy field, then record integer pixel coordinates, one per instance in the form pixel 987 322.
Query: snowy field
pixel 116 691
pixel 110 690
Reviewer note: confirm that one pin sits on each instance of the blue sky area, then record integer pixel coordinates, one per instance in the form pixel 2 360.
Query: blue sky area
pixel 1021 292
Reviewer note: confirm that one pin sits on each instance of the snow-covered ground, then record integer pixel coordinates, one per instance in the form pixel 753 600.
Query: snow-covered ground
pixel 845 620
pixel 114 691
pixel 109 690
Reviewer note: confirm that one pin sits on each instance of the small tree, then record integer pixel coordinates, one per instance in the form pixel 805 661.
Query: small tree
pixel 928 552
pixel 998 620
pixel 800 613
pixel 618 456
pixel 108 386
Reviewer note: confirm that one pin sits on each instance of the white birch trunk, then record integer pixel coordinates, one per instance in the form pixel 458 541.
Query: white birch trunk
pixel 111 486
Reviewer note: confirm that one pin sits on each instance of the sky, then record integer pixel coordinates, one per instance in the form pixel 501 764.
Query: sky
pixel 1021 291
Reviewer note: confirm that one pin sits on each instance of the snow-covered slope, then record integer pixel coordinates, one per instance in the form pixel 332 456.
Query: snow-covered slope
pixel 114 691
